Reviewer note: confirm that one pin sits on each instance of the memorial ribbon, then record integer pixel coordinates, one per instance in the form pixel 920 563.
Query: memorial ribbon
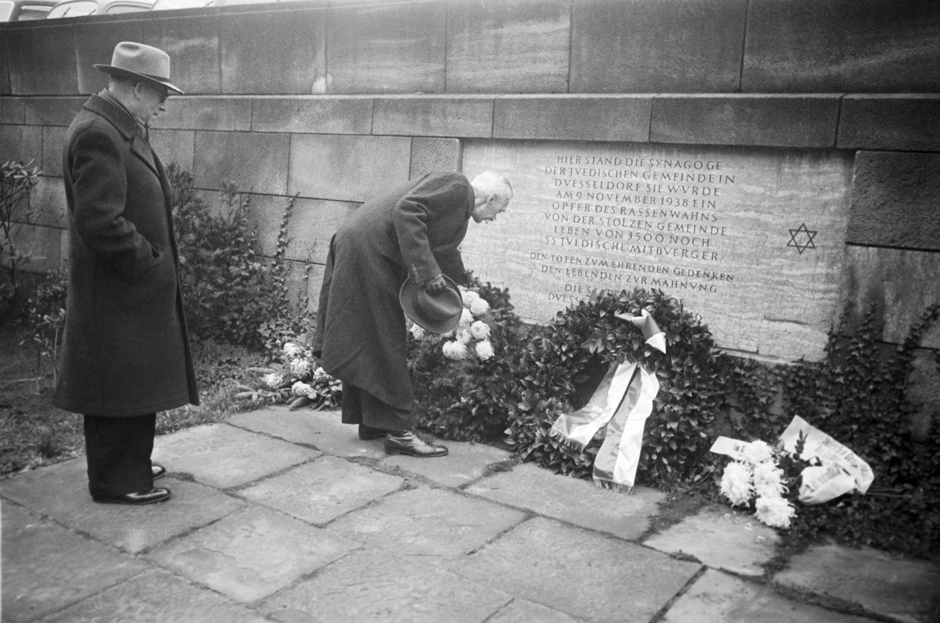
pixel 621 403
pixel 576 429
pixel 616 462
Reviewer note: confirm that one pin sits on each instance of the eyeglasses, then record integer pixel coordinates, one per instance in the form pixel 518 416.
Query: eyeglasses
pixel 162 93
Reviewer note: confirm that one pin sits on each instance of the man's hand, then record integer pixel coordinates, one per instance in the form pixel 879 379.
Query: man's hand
pixel 435 285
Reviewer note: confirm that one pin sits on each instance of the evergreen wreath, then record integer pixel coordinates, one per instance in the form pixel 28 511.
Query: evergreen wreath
pixel 566 361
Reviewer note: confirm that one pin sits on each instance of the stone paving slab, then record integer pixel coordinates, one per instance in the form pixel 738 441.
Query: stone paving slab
pixel 464 463
pixel 252 554
pixel 426 522
pixel 323 489
pixel 375 585
pixel 722 539
pixel 581 573
pixel 525 611
pixel 904 590
pixel 719 598
pixel 46 567
pixel 572 500
pixel 61 492
pixel 320 429
pixel 156 597
pixel 224 456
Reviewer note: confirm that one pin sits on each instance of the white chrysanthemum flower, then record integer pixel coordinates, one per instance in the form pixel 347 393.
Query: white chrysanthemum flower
pixel 768 480
pixel 479 307
pixel 455 350
pixel 775 512
pixel 417 332
pixel 302 389
pixel 464 336
pixel 300 367
pixel 484 350
pixel 292 350
pixel 272 380
pixel 466 318
pixel 480 330
pixel 758 452
pixel 469 297
pixel 320 375
pixel 736 483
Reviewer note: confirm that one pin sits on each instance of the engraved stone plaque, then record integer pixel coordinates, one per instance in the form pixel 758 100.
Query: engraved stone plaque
pixel 750 239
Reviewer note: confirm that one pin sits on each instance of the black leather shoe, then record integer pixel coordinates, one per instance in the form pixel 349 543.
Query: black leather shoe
pixel 409 444
pixel 367 433
pixel 138 499
pixel 158 471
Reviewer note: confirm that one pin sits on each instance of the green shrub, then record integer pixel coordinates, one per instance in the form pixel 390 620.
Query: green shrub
pixel 16 184
pixel 230 295
pixel 45 317
pixel 856 394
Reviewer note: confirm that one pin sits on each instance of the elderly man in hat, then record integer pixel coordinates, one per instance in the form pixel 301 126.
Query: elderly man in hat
pixel 126 352
pixel 399 250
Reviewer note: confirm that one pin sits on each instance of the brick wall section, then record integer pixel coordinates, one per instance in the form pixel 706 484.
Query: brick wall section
pixel 765 120
pixel 520 46
pixel 877 46
pixel 895 200
pixel 904 122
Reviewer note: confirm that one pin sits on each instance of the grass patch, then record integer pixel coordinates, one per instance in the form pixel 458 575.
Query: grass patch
pixel 34 433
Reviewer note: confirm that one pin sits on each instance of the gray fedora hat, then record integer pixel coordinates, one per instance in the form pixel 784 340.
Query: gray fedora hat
pixel 139 61
pixel 439 313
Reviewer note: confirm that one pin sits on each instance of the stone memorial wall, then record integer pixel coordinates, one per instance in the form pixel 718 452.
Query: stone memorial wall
pixel 812 143
pixel 751 239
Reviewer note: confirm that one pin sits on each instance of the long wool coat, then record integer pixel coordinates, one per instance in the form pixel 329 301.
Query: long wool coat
pixel 413 229
pixel 126 348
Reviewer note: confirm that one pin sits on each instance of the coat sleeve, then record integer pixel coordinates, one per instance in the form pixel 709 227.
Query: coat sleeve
pixel 99 193
pixel 436 201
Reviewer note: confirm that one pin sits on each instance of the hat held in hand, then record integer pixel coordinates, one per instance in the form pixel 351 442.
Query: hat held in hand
pixel 139 61
pixel 438 313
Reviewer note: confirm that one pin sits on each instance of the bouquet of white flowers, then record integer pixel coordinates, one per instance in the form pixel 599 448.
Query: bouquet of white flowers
pixel 300 382
pixel 464 380
pixel 471 338
pixel 807 466
pixel 757 478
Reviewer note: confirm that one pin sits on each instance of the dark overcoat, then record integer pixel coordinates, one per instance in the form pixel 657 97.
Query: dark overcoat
pixel 126 349
pixel 413 229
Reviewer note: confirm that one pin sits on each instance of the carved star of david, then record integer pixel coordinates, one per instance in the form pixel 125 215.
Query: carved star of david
pixel 799 234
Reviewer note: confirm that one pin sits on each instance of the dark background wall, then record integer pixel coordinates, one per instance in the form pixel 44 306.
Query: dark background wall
pixel 331 100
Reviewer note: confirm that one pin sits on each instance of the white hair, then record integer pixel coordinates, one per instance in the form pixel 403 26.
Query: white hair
pixel 488 183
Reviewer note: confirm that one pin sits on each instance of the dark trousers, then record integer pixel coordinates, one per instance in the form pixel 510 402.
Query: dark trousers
pixel 118 451
pixel 361 407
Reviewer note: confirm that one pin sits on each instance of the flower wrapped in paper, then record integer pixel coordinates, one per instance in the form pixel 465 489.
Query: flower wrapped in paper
pixel 823 467
pixel 841 470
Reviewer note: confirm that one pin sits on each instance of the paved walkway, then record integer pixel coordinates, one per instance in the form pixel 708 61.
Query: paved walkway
pixel 287 516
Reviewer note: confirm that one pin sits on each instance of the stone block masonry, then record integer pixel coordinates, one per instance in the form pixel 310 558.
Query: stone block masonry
pixel 332 102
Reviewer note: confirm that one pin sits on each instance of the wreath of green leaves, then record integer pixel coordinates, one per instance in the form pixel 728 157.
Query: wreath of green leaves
pixel 566 361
